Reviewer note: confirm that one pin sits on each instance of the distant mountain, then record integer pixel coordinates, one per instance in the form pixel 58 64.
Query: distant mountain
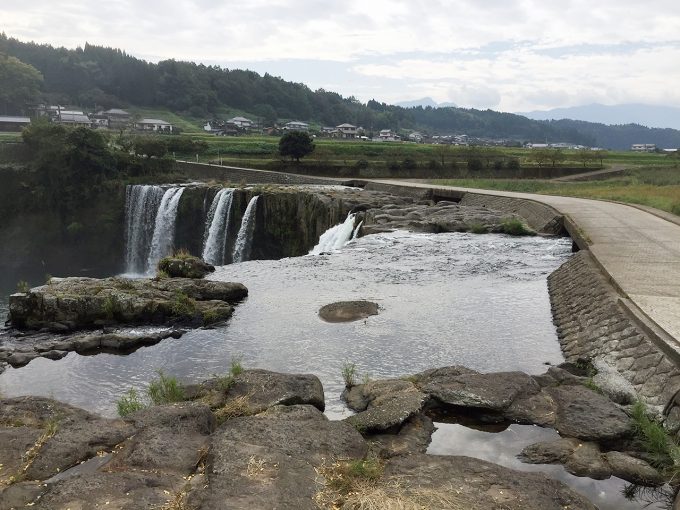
pixel 424 102
pixel 643 114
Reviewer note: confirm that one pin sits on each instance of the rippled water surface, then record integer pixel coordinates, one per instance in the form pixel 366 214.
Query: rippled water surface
pixel 476 300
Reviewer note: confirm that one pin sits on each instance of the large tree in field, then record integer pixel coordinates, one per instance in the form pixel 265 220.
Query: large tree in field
pixel 296 144
pixel 19 84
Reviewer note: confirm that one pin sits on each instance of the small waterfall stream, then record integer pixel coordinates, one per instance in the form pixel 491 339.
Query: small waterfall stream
pixel 244 239
pixel 336 237
pixel 217 227
pixel 164 228
pixel 141 207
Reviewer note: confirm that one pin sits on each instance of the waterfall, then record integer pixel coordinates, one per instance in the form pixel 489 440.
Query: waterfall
pixel 356 230
pixel 217 227
pixel 164 228
pixel 244 239
pixel 335 237
pixel 141 206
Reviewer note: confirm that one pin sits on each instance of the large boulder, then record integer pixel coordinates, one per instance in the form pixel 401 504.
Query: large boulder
pixel 66 304
pixel 348 311
pixel 185 266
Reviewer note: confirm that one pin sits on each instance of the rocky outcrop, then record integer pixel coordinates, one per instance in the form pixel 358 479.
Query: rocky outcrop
pixel 185 267
pixel 67 304
pixel 348 311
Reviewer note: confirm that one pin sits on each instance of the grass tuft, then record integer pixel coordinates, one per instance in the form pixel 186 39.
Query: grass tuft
pixel 129 403
pixel 165 390
pixel 665 453
pixel 349 374
pixel 515 227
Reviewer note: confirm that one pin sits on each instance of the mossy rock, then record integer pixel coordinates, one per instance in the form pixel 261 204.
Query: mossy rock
pixel 186 266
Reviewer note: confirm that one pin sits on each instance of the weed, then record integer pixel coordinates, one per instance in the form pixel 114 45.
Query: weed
pixel 349 374
pixel 165 390
pixel 665 453
pixel 210 316
pixel 112 307
pixel 236 407
pixel 236 367
pixel 515 227
pixel 48 278
pixel 162 275
pixel 590 384
pixel 260 468
pixel 183 305
pixel 124 284
pixel 366 378
pixel 477 227
pixel 224 382
pixel 23 286
pixel 182 254
pixel 129 403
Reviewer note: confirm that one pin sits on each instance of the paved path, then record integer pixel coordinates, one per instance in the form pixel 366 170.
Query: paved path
pixel 640 251
pixel 593 175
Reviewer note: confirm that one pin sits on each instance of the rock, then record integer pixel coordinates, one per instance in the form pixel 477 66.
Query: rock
pixel 264 389
pixel 613 384
pixel 389 403
pixel 549 452
pixel 170 438
pixel 433 481
pixel 414 436
pixel 84 303
pixel 348 311
pixel 494 392
pixel 20 359
pixel 587 460
pixel 633 470
pixel 15 441
pixel 587 415
pixel 185 267
pixel 20 495
pixel 537 409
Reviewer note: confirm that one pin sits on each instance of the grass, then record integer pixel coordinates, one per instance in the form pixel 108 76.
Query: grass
pixel 657 187
pixel 515 227
pixel 236 407
pixel 129 403
pixel 112 307
pixel 349 374
pixel 165 390
pixel 655 439
pixel 182 305
pixel 23 286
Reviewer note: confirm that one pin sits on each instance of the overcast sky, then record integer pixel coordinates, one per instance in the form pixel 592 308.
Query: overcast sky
pixel 509 55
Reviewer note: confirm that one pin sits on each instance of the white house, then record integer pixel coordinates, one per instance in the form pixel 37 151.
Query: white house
pixel 295 125
pixel 73 118
pixel 242 122
pixel 153 125
pixel 643 147
pixel 347 130
pixel 386 135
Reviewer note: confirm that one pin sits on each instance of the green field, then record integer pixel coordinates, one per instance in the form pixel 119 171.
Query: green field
pixel 657 187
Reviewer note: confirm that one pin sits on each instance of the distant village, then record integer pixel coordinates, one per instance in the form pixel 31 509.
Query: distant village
pixel 116 118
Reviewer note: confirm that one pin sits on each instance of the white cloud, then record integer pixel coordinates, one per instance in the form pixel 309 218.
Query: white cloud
pixel 500 51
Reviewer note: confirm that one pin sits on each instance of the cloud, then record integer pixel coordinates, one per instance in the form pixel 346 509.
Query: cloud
pixel 520 54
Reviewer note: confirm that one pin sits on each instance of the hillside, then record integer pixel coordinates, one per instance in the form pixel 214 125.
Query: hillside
pixel 95 76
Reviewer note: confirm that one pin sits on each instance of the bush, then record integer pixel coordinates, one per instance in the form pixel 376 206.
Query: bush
pixel 129 403
pixel 361 164
pixel 349 373
pixel 475 165
pixel 515 227
pixel 409 164
pixel 513 164
pixel 165 390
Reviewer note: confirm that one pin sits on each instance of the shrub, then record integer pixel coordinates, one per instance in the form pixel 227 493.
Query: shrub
pixel 236 366
pixel 515 227
pixel 349 374
pixel 409 164
pixel 165 390
pixel 129 403
pixel 361 164
pixel 475 165
pixel 477 227
pixel 513 164
pixel 112 307
pixel 183 305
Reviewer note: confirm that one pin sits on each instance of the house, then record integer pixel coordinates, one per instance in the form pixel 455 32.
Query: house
pixel 242 122
pixel 347 131
pixel 415 137
pixel 386 135
pixel 157 125
pixel 8 123
pixel 331 132
pixel 117 118
pixel 295 125
pixel 643 147
pixel 73 118
pixel 99 121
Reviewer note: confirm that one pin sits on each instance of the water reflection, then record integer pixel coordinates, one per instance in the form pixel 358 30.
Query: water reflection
pixel 503 447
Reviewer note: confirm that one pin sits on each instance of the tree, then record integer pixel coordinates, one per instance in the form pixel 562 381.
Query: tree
pixel 586 155
pixel 540 156
pixel 150 146
pixel 19 84
pixel 296 144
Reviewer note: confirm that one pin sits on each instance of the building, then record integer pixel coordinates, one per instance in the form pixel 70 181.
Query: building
pixel 330 131
pixel 386 135
pixel 415 137
pixel 295 125
pixel 242 122
pixel 347 131
pixel 157 125
pixel 117 118
pixel 9 123
pixel 643 147
pixel 73 118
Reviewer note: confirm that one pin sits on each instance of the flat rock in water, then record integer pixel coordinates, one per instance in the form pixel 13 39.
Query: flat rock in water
pixel 633 470
pixel 442 482
pixel 348 311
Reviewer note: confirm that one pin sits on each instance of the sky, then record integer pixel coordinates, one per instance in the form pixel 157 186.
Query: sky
pixel 508 55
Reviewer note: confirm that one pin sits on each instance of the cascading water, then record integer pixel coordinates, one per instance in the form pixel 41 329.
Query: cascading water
pixel 335 237
pixel 141 207
pixel 244 239
pixel 217 227
pixel 164 228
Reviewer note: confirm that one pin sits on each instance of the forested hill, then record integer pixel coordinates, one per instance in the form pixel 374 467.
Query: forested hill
pixel 106 77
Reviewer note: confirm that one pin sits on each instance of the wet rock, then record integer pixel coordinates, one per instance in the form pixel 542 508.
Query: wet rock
pixel 633 470
pixel 433 481
pixel 534 408
pixel 348 311
pixel 587 460
pixel 587 415
pixel 88 302
pixel 613 384
pixel 549 452
pixel 388 404
pixel 20 359
pixel 185 267
pixel 20 495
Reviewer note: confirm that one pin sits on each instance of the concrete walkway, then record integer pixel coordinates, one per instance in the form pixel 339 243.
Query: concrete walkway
pixel 639 251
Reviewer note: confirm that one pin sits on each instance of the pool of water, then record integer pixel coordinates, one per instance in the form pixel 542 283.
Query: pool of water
pixel 476 300
pixel 503 447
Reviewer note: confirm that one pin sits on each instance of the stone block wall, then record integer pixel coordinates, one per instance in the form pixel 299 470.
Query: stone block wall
pixel 592 324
